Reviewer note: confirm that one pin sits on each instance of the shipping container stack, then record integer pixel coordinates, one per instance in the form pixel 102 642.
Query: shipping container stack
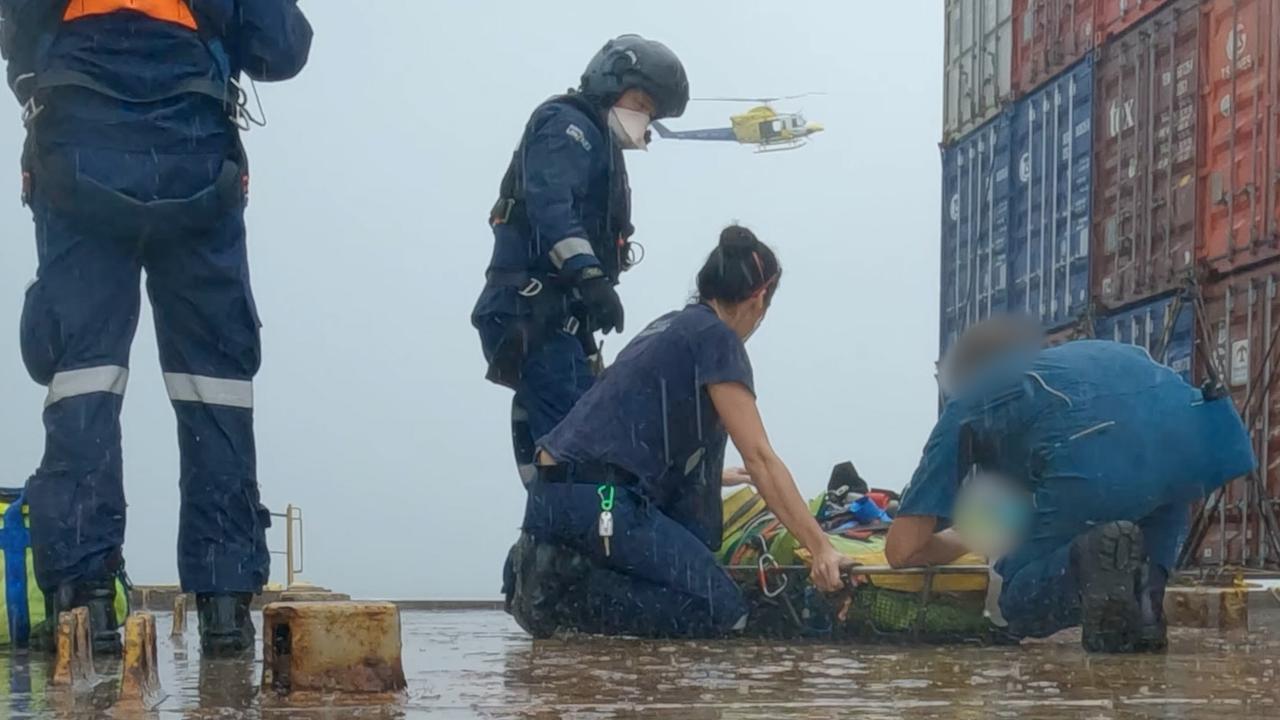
pixel 1112 168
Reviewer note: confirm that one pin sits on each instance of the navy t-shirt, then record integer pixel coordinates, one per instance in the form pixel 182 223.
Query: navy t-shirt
pixel 650 414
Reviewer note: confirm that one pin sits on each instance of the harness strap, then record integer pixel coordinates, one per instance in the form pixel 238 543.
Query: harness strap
pixel 50 79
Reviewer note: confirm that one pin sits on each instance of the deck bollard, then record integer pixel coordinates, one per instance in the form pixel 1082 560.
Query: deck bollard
pixel 140 684
pixel 179 616
pixel 332 647
pixel 74 663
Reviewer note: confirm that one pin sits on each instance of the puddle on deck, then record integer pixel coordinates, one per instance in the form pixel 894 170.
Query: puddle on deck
pixel 478 664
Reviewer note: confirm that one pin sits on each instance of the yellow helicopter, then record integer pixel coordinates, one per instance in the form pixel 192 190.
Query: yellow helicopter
pixel 762 126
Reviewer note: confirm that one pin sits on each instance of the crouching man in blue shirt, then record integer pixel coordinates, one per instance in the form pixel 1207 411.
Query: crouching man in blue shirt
pixel 1109 448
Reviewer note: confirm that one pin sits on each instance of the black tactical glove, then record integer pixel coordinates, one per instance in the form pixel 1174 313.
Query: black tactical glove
pixel 604 307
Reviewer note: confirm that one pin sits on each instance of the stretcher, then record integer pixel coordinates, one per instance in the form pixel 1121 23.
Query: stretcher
pixel 935 605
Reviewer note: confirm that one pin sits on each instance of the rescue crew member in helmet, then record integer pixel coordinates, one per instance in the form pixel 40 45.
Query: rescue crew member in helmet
pixel 561 231
pixel 133 162
pixel 621 522
pixel 1103 451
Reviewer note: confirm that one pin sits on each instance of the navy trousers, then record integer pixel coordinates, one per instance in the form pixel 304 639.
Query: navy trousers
pixel 657 580
pixel 1041 594
pixel 77 326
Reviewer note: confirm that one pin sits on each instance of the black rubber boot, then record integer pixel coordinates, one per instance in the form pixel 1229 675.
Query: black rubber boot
pixel 1110 566
pixel 99 597
pixel 226 627
pixel 1154 635
pixel 545 575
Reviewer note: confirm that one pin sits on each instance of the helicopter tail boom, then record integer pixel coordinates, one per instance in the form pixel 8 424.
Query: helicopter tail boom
pixel 710 134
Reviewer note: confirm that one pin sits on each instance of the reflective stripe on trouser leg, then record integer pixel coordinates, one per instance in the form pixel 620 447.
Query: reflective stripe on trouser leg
pixel 74 383
pixel 183 387
pixel 208 337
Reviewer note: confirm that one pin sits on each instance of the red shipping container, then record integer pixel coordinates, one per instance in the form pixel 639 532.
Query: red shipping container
pixel 1145 150
pixel 1242 314
pixel 1114 17
pixel 1239 163
pixel 1048 36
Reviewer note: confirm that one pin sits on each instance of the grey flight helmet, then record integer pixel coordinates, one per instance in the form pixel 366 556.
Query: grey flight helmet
pixel 631 61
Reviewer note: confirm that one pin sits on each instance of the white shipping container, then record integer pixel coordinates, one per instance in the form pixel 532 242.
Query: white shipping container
pixel 979 61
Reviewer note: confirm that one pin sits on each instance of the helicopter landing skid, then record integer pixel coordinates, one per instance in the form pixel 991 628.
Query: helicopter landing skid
pixel 781 147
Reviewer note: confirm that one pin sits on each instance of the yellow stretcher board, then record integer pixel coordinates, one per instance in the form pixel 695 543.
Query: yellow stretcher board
pixel 744 507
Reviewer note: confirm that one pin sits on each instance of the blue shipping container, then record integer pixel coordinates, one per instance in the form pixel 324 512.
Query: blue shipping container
pixel 1051 201
pixel 975 228
pixel 1147 326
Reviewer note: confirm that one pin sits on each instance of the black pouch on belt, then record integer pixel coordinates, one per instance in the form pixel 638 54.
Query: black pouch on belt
pixel 547 310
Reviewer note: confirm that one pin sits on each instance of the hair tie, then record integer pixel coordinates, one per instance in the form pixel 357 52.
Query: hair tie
pixel 760 269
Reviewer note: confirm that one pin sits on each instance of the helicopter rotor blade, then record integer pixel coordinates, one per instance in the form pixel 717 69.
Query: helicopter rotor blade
pixel 734 99
pixel 801 95
pixel 755 99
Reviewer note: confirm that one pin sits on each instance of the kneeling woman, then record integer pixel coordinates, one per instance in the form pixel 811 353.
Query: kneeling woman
pixel 622 519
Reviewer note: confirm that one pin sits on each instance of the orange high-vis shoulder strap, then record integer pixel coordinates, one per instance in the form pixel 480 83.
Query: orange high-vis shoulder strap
pixel 174 11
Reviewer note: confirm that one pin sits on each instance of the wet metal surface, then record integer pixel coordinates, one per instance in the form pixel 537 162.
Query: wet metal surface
pixel 478 664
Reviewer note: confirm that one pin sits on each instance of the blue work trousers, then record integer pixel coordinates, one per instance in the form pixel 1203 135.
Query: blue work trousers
pixel 1041 594
pixel 656 580
pixel 77 326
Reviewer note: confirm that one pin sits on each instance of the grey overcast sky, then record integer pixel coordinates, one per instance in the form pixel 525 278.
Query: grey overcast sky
pixel 368 242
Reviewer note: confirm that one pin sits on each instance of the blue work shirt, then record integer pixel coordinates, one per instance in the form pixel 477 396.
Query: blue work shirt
pixel 568 161
pixel 650 414
pixel 1096 431
pixel 175 146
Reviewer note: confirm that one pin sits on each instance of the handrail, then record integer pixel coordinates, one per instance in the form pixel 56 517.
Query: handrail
pixel 292 517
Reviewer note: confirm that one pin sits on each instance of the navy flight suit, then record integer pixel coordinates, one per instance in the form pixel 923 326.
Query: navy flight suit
pixel 573 214
pixel 132 165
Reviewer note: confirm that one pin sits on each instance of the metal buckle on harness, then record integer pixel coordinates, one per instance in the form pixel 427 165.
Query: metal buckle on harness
pixel 501 212
pixel 572 325
pixel 532 289
pixel 30 109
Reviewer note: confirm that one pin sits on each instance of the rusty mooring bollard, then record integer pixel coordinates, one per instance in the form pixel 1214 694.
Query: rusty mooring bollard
pixel 74 663
pixel 342 647
pixel 140 684
pixel 179 616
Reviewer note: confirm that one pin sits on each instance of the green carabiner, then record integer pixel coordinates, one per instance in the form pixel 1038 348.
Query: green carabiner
pixel 606 497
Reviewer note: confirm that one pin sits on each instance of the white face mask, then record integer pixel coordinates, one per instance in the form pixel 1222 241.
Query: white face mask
pixel 630 127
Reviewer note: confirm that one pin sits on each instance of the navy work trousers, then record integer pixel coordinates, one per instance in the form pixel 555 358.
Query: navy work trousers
pixel 1041 594
pixel 78 323
pixel 555 374
pixel 657 580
